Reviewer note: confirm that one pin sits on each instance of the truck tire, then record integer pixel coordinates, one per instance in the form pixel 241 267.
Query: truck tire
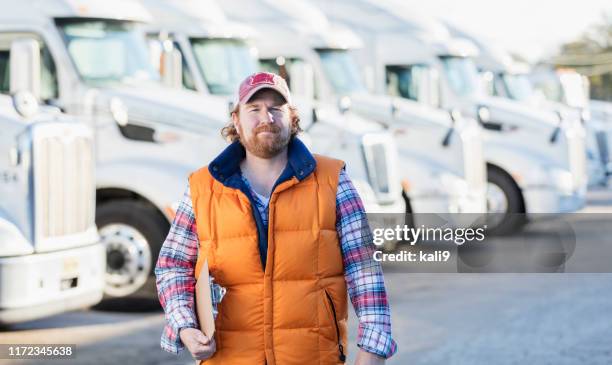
pixel 133 232
pixel 505 204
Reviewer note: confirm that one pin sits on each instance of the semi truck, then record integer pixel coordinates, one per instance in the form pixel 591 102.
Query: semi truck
pixel 51 257
pixel 95 65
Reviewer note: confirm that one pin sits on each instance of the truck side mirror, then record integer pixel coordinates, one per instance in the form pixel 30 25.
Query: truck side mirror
pixel 302 80
pixel 25 67
pixel 171 66
pixel 487 81
pixel 455 115
pixel 25 104
pixel 586 88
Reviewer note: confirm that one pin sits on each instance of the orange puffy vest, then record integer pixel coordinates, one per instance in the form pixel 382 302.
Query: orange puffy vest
pixel 294 311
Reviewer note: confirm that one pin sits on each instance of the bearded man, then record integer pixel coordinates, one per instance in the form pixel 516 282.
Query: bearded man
pixel 285 232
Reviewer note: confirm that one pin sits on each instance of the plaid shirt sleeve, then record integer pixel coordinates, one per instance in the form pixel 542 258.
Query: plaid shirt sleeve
pixel 363 275
pixel 175 275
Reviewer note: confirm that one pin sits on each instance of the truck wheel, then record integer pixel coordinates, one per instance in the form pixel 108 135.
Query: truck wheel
pixel 505 206
pixel 133 233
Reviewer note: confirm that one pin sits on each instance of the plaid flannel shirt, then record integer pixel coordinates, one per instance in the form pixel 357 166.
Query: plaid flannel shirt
pixel 364 276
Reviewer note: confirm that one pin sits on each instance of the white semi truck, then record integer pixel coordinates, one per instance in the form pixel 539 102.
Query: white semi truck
pixel 440 159
pixel 504 77
pixel 51 258
pixel 535 160
pixel 147 138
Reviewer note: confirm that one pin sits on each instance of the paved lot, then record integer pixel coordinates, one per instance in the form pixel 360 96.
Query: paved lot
pixel 437 319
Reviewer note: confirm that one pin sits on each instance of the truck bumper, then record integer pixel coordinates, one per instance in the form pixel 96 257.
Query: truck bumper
pixel 549 201
pixel 450 204
pixel 44 284
pixel 457 210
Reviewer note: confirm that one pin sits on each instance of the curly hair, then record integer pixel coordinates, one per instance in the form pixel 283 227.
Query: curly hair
pixel 230 133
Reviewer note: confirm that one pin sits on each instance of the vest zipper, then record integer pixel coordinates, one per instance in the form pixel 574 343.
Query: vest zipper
pixel 333 307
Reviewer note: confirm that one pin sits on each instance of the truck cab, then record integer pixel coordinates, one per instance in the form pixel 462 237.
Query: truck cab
pixel 51 257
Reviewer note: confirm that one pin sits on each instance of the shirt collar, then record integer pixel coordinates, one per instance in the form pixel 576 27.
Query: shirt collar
pixel 300 163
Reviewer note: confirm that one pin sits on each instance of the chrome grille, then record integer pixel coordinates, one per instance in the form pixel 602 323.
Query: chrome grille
pixel 473 163
pixel 64 185
pixel 378 155
pixel 577 159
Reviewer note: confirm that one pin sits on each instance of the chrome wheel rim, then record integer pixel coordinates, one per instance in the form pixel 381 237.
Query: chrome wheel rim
pixel 128 256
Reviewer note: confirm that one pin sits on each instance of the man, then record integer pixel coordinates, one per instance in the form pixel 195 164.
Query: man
pixel 286 233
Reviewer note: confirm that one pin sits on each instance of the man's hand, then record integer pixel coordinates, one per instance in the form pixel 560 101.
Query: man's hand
pixel 200 347
pixel 367 358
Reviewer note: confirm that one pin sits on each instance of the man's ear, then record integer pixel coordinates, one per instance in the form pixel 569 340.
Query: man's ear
pixel 235 119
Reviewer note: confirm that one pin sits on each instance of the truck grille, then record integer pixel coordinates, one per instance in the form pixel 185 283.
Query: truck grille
pixel 577 159
pixel 378 153
pixel 473 162
pixel 64 184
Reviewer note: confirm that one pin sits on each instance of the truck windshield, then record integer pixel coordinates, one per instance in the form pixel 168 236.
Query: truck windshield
pixel 340 68
pixel 224 63
pixel 564 87
pixel 518 87
pixel 406 81
pixel 107 51
pixel 462 76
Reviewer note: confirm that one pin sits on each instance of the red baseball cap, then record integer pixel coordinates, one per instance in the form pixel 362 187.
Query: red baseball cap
pixel 258 81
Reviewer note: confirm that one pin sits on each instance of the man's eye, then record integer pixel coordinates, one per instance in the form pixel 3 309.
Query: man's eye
pixel 275 109
pixel 254 110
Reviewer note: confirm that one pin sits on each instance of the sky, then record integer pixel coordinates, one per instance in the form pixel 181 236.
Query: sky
pixel 532 28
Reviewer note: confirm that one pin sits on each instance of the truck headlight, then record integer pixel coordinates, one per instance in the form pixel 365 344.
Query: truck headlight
pixel 562 180
pixel 454 183
pixel 446 183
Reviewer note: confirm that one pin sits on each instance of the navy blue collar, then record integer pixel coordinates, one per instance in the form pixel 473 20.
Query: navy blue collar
pixel 300 162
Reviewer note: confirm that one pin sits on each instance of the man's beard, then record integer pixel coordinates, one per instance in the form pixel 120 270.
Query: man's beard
pixel 265 147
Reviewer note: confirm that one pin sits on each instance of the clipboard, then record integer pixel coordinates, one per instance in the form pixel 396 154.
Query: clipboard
pixel 203 301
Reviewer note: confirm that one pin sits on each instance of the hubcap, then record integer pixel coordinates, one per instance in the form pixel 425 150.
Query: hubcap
pixel 114 260
pixel 128 258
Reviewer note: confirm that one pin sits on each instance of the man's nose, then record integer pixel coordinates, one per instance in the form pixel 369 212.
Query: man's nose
pixel 266 116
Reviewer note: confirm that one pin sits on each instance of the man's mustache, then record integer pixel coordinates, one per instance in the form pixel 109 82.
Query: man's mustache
pixel 267 128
